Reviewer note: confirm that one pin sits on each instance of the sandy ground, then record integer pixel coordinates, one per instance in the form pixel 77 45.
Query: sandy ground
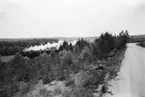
pixel 131 79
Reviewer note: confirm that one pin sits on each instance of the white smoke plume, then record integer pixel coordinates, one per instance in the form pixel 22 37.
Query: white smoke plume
pixel 48 46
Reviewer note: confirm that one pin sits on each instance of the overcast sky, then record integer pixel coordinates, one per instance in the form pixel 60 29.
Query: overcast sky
pixel 49 18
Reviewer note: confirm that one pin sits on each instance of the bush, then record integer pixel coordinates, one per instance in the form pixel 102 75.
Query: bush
pixel 69 82
pixel 85 54
pixel 44 93
pixel 82 92
pixel 24 87
pixel 142 44
pixel 47 80
pixel 78 92
pixel 67 58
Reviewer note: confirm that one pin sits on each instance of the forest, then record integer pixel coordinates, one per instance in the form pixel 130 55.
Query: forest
pixel 11 47
pixel 92 61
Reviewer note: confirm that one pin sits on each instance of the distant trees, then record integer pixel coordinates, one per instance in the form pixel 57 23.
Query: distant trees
pixel 12 47
pixel 70 47
pixel 65 45
pixel 136 38
pixel 81 43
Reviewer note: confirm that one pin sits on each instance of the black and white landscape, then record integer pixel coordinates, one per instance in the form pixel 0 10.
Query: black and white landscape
pixel 72 48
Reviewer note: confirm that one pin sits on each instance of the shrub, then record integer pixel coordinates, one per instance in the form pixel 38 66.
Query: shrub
pixel 69 82
pixel 142 44
pixel 85 54
pixel 57 91
pixel 44 93
pixel 23 87
pixel 47 80
pixel 67 58
pixel 82 92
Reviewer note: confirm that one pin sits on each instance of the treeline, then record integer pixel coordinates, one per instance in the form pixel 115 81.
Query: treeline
pixel 106 43
pixel 100 48
pixel 10 47
pixel 58 65
pixel 136 38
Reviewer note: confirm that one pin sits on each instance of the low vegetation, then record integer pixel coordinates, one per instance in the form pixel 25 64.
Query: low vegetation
pixel 142 44
pixel 83 69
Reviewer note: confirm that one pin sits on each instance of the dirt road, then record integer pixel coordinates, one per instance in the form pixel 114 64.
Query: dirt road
pixel 131 79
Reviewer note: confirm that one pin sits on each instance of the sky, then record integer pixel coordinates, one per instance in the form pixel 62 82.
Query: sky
pixel 70 18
